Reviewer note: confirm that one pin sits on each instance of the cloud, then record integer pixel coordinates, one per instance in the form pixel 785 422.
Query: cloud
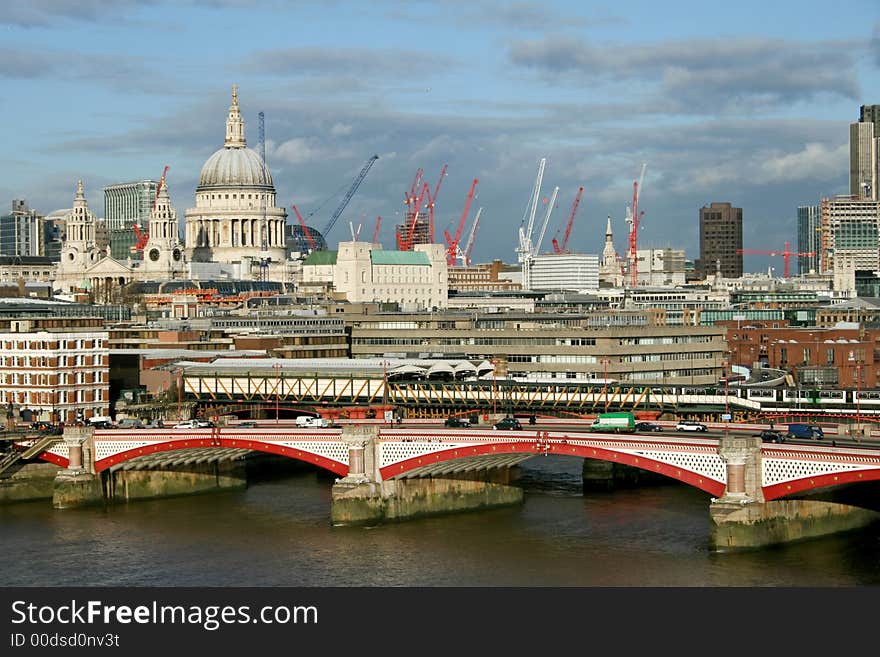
pixel 296 151
pixel 348 61
pixel 112 71
pixel 341 130
pixel 700 75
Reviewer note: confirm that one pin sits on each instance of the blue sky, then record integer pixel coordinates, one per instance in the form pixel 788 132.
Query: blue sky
pixel 748 103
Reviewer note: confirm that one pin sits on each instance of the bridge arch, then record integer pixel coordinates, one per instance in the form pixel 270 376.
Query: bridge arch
pixel 560 448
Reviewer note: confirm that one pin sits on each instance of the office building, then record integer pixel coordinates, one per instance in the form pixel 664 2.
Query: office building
pixel 125 205
pixel 720 240
pixel 864 153
pixel 809 231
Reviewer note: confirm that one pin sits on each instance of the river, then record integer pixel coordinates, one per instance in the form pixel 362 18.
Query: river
pixel 276 532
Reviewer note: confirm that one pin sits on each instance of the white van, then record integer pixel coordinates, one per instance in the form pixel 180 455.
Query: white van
pixel 100 419
pixel 312 422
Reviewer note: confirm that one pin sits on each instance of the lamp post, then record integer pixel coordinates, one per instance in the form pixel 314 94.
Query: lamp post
pixel 605 360
pixel 277 368
pixel 494 386
pixel 179 371
pixel 858 398
pixel 725 364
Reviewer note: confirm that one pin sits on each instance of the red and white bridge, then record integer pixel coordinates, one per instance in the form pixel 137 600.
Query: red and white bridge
pixel 785 469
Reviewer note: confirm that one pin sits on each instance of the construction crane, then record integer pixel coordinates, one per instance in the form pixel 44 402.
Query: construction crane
pixel 432 200
pixel 470 241
pixel 354 187
pixel 786 254
pixel 563 248
pixel 525 251
pixel 306 231
pixel 376 230
pixel 406 243
pixel 452 242
pixel 142 236
pixel 550 206
pixel 634 219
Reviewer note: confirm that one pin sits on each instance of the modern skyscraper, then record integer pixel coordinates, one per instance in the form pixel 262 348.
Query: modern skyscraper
pixel 126 204
pixel 809 227
pixel 720 239
pixel 864 153
pixel 21 231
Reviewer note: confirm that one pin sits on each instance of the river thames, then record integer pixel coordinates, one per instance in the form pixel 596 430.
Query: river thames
pixel 277 532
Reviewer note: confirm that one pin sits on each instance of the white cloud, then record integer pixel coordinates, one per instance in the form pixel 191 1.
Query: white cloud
pixel 296 151
pixel 341 130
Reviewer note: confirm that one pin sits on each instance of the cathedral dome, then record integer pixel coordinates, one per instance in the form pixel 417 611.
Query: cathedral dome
pixel 233 167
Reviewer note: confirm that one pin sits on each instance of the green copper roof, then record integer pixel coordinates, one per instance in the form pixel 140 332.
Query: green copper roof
pixel 400 258
pixel 321 258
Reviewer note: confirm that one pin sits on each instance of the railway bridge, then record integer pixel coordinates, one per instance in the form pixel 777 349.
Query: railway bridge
pixel 760 492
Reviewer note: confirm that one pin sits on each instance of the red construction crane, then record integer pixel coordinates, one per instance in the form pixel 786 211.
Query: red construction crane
pixel 787 254
pixel 160 186
pixel 635 220
pixel 452 242
pixel 376 231
pixel 143 236
pixel 306 231
pixel 406 243
pixel 564 247
pixel 432 200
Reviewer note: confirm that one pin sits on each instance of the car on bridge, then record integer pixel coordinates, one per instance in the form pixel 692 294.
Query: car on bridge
pixel 508 423
pixel 246 425
pixel 456 422
pixel 770 436
pixel 647 426
pixel 194 424
pixel 691 425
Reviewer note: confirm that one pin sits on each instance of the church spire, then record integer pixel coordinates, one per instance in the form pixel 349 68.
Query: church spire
pixel 608 230
pixel 79 201
pixel 234 124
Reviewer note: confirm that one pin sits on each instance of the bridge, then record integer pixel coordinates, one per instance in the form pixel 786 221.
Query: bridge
pixel 786 469
pixel 761 492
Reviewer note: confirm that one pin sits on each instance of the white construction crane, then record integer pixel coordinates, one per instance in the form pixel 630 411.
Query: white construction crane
pixel 464 256
pixel 525 250
pixel 550 207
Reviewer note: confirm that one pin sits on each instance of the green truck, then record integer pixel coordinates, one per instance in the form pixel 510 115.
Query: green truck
pixel 616 422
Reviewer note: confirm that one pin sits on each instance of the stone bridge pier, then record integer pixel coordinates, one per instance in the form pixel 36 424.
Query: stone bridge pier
pixel 742 518
pixel 363 497
pixel 78 484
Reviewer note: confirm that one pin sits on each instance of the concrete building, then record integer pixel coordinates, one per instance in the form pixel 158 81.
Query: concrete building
pixel 809 227
pixel 364 272
pixel 235 220
pixel 720 239
pixel 548 346
pixel 864 151
pixel 563 271
pixel 661 267
pixel 850 230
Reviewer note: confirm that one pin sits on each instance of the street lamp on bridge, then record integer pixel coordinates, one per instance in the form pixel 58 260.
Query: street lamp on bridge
pixel 277 367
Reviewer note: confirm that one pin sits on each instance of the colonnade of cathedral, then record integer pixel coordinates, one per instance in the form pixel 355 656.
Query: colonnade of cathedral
pixel 224 232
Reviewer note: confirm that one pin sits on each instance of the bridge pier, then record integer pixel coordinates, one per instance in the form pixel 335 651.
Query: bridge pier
pixel 363 497
pixel 77 484
pixel 742 518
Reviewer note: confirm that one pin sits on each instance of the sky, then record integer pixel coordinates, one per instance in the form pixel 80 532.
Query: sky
pixel 746 102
